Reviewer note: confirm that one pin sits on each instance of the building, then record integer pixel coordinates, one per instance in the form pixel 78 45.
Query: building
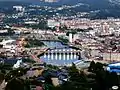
pixel 9 45
pixel 19 8
pixel 31 22
pixel 3 31
pixel 70 37
pixel 51 1
pixel 111 56
pixel 53 23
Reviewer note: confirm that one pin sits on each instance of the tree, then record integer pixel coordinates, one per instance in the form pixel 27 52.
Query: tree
pixel 73 69
pixel 63 28
pixel 113 79
pixel 75 76
pixel 15 84
pixel 44 64
pixel 64 40
pixel 33 43
pixel 73 32
pixel 80 30
pixel 10 31
pixel 90 28
pixel 92 66
pixel 99 67
pixel 1 77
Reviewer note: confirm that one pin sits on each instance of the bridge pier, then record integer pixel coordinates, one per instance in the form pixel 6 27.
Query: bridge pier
pixel 64 58
pixel 61 54
pixel 48 54
pixel 71 54
pixel 52 58
pixel 75 56
pixel 56 56
pixel 68 55
pixel 45 55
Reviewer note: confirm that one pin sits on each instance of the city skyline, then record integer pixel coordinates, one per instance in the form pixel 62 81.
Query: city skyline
pixel 50 45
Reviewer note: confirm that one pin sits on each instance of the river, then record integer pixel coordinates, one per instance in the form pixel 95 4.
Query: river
pixel 59 54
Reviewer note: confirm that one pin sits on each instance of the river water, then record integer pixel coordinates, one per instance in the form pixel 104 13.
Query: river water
pixel 58 54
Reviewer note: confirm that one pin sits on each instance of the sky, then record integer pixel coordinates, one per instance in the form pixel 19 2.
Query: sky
pixel 18 0
pixel 10 0
pixel 22 0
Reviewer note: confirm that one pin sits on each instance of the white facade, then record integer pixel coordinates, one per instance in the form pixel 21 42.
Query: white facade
pixel 111 56
pixel 4 42
pixel 50 1
pixel 8 45
pixel 18 8
pixel 75 36
pixel 70 38
pixel 3 31
pixel 31 22
pixel 53 23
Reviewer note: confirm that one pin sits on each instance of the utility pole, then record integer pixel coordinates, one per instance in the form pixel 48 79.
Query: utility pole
pixel 110 55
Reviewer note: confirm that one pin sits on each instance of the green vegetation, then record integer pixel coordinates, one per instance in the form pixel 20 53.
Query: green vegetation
pixel 78 80
pixel 10 31
pixel 104 79
pixel 1 39
pixel 41 25
pixel 49 66
pixel 64 40
pixel 72 31
pixel 33 43
pixel 97 79
pixel 28 60
pixel 63 28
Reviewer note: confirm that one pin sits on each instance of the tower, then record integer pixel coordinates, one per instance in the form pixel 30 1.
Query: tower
pixel 70 37
pixel 105 28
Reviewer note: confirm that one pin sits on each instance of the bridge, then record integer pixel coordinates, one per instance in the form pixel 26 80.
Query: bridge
pixel 62 50
pixel 34 52
pixel 62 54
pixel 42 36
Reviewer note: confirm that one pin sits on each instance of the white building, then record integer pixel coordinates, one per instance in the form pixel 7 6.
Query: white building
pixel 70 37
pixel 111 56
pixel 3 31
pixel 75 36
pixel 4 42
pixel 53 23
pixel 51 1
pixel 18 8
pixel 9 45
pixel 31 22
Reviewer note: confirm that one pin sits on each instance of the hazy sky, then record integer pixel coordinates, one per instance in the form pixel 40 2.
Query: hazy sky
pixel 22 0
pixel 10 0
pixel 19 0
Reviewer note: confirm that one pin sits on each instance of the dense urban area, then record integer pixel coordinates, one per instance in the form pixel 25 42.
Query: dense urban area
pixel 58 48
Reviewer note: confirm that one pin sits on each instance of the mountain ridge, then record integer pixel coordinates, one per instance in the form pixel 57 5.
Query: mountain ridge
pixel 107 8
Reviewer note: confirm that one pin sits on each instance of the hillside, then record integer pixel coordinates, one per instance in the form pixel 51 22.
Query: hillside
pixel 105 8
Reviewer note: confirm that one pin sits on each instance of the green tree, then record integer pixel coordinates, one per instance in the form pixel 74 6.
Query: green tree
pixel 2 77
pixel 15 84
pixel 92 66
pixel 99 67
pixel 73 32
pixel 64 40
